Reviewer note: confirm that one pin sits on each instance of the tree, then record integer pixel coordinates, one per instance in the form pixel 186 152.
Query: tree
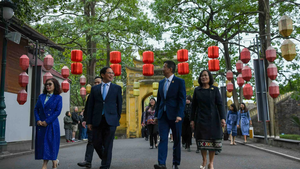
pixel 196 25
pixel 95 27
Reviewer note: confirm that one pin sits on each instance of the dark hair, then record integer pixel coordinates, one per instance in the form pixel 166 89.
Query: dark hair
pixel 67 113
pixel 234 107
pixel 154 106
pixel 245 108
pixel 189 97
pixel 57 90
pixel 211 78
pixel 98 76
pixel 103 71
pixel 171 64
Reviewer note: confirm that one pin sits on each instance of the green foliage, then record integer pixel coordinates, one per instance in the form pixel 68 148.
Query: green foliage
pixel 290 136
pixel 295 121
pixel 96 28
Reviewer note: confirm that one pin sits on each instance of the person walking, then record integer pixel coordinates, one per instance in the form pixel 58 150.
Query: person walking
pixel 144 127
pixel 231 122
pixel 89 147
pixel 46 111
pixel 68 126
pixel 104 112
pixel 151 124
pixel 244 120
pixel 171 97
pixel 186 127
pixel 75 123
pixel 208 107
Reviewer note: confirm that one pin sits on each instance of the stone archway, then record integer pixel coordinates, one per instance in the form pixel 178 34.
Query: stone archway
pixel 134 104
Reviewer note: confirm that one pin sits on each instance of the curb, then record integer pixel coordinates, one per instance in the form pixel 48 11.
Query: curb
pixel 10 155
pixel 270 151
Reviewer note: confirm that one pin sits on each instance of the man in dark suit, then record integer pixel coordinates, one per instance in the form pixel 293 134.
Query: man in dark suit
pixel 104 112
pixel 89 147
pixel 169 113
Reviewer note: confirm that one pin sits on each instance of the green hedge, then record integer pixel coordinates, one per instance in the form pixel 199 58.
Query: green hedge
pixel 291 136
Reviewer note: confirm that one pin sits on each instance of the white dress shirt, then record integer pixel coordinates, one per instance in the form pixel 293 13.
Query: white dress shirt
pixel 169 81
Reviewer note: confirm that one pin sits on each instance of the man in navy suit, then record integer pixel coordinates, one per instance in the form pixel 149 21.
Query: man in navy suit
pixel 104 112
pixel 169 113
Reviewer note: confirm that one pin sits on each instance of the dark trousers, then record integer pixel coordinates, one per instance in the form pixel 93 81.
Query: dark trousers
pixel 145 132
pixel 164 125
pixel 152 129
pixel 89 147
pixel 103 137
pixel 186 133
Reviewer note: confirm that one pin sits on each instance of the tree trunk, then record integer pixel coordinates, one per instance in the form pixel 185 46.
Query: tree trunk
pixel 107 50
pixel 89 10
pixel 228 67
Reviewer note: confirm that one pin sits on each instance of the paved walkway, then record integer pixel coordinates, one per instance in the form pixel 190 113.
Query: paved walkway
pixel 135 154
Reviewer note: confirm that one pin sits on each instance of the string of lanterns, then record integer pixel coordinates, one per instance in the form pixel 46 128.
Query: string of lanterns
pixel 115 59
pixel 148 67
pixel 213 63
pixel 183 67
pixel 23 80
pixel 76 66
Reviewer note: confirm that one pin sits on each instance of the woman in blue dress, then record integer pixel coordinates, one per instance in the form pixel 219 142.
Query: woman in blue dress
pixel 231 122
pixel 46 111
pixel 244 120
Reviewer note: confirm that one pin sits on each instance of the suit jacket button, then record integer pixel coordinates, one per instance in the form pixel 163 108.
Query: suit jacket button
pixel 48 114
pixel 50 109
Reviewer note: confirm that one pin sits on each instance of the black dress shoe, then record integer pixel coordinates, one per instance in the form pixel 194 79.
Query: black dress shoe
pixel 85 164
pixel 175 166
pixel 157 166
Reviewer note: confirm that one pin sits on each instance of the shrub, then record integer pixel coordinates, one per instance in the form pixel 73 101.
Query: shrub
pixel 290 136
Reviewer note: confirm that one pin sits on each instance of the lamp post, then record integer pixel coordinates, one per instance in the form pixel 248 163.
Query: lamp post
pixel 7 12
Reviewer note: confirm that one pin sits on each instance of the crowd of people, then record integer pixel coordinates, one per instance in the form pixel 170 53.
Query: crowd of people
pixel 173 115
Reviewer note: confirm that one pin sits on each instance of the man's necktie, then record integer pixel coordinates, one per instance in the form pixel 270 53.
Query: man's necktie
pixel 165 92
pixel 104 96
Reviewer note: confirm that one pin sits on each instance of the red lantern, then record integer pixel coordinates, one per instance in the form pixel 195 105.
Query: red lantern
pixel 213 65
pixel 76 55
pixel 22 97
pixel 274 90
pixel 82 80
pixel 65 72
pixel 240 80
pixel 271 54
pixel 248 91
pixel 239 66
pixel 229 87
pixel 48 62
pixel 23 79
pixel 229 75
pixel 213 52
pixel 148 69
pixel 245 55
pixel 182 55
pixel 76 68
pixel 24 62
pixel 117 69
pixel 82 92
pixel 65 86
pixel 115 57
pixel 183 68
pixel 246 73
pixel 272 71
pixel 148 57
pixel 47 76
